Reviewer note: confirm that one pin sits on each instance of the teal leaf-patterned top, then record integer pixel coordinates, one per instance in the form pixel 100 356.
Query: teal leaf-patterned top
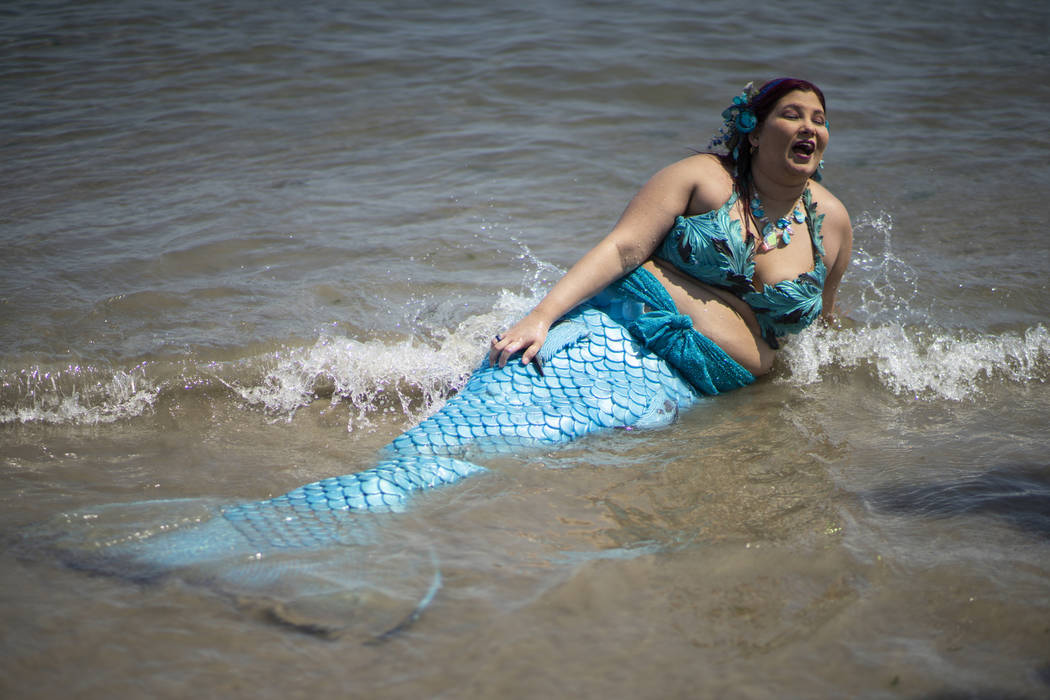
pixel 711 248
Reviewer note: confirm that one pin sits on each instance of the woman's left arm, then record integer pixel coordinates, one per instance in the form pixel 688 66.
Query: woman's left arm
pixel 838 245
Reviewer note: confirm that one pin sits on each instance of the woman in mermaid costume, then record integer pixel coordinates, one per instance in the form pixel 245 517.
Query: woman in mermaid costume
pixel 714 261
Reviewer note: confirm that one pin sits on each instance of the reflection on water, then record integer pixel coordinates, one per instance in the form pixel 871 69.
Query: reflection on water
pixel 1018 495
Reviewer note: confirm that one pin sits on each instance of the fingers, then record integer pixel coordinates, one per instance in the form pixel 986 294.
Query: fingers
pixel 531 356
pixel 495 349
pixel 530 353
pixel 526 337
pixel 503 348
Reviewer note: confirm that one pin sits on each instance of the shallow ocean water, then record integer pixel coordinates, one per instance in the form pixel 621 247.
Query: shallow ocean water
pixel 245 246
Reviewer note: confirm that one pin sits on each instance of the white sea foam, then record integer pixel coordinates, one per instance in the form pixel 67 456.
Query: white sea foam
pixel 413 376
pixel 944 365
pixel 409 376
pixel 77 394
pixel 894 336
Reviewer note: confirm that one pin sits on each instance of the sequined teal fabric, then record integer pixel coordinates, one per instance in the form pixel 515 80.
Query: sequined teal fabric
pixel 710 247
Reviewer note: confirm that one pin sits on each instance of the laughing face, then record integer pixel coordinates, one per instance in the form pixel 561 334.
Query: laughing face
pixel 793 135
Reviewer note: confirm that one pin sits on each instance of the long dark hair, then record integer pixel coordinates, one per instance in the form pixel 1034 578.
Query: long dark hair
pixel 738 159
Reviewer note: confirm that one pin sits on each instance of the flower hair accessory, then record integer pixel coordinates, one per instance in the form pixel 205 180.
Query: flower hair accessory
pixel 739 119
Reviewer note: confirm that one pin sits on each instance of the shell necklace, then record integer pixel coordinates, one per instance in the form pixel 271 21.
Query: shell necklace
pixel 776 233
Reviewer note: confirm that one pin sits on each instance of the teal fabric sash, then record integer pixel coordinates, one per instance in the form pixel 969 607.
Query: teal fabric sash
pixel 671 335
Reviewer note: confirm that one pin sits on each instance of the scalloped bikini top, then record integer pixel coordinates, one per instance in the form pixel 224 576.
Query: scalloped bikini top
pixel 710 248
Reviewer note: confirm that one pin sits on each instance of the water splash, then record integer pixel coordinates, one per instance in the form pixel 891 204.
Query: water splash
pixel 925 364
pixel 408 376
pixel 889 285
pixel 76 394
pixel 890 331
pixel 412 376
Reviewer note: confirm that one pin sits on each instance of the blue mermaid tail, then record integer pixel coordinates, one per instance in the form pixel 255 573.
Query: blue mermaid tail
pixel 624 359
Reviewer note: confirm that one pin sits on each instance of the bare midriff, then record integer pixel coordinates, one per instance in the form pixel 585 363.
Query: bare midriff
pixel 719 315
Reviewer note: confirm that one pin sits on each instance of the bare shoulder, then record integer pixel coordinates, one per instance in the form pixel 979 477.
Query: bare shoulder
pixel 837 231
pixel 836 218
pixel 707 178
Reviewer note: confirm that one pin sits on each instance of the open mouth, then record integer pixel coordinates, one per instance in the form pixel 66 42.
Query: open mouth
pixel 804 148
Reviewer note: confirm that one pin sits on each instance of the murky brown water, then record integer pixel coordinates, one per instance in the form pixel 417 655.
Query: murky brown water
pixel 245 246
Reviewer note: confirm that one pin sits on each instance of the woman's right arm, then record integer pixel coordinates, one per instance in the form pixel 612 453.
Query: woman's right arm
pixel 641 228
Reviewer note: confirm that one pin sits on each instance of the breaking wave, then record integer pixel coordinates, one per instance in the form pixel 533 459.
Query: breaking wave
pixel 413 375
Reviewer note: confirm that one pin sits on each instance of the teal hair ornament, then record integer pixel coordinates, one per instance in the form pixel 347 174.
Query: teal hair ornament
pixel 739 119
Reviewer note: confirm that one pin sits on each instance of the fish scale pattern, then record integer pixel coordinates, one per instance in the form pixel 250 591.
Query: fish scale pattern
pixel 315 515
pixel 599 378
pixel 595 376
pixel 602 380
